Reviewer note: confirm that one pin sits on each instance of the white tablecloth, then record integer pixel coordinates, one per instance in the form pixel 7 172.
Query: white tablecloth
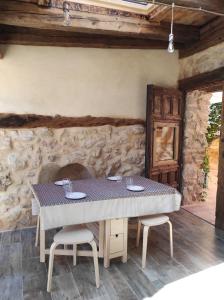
pixel 56 212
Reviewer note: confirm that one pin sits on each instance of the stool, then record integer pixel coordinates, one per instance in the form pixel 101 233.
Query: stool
pixel 147 223
pixel 73 235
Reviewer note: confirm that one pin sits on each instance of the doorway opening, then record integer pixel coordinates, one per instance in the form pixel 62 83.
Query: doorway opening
pixel 205 207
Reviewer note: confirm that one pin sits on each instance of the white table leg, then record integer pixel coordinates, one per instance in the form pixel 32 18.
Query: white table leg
pixel 107 244
pixel 42 243
pixel 37 231
pixel 125 256
pixel 138 233
pixel 101 238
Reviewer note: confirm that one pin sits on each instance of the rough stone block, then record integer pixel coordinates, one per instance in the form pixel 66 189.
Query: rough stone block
pixel 16 162
pixel 26 135
pixel 5 181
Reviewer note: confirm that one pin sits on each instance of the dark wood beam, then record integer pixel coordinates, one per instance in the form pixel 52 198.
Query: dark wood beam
pixel 39 37
pixel 81 7
pixel 210 35
pixel 25 14
pixel 34 121
pixel 211 5
pixel 159 12
pixel 44 2
pixel 210 81
pixel 219 221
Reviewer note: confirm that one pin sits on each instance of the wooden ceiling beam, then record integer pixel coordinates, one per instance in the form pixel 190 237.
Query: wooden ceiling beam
pixel 25 14
pixel 210 5
pixel 82 7
pixel 39 37
pixel 208 81
pixel 159 13
pixel 210 35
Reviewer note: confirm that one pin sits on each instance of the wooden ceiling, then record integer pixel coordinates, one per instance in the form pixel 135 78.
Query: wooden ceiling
pixel 40 22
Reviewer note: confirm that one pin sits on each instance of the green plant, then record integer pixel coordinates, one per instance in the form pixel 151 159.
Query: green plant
pixel 205 164
pixel 214 121
pixel 206 169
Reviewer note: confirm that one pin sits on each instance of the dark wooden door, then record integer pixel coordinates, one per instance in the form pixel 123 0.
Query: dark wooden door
pixel 164 135
pixel 219 221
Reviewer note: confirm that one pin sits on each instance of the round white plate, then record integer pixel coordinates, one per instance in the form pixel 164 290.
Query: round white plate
pixel 135 188
pixel 75 195
pixel 61 182
pixel 114 178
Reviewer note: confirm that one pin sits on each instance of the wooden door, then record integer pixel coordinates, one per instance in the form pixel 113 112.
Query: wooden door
pixel 164 135
pixel 219 221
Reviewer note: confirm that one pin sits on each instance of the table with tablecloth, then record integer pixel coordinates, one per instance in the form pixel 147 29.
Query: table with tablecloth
pixel 105 200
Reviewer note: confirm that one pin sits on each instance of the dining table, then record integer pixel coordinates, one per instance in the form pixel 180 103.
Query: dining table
pixel 107 203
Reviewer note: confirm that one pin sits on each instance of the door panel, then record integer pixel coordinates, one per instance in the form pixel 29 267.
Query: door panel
pixel 163 135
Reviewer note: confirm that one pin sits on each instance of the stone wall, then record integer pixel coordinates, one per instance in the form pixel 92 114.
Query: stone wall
pixel 204 61
pixel 196 120
pixel 24 152
pixel 195 144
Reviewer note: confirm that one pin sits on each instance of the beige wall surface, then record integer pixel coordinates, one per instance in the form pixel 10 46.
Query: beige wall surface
pixel 79 82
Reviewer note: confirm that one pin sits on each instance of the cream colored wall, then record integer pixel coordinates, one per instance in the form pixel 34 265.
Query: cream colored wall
pixel 79 82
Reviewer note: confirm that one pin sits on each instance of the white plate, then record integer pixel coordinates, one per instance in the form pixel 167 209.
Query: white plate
pixel 135 188
pixel 114 178
pixel 75 195
pixel 61 182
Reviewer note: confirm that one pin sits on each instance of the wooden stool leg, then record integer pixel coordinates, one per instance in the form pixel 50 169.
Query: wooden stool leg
pixel 171 238
pixel 96 265
pixel 74 254
pixel 37 231
pixel 50 268
pixel 138 233
pixel 144 247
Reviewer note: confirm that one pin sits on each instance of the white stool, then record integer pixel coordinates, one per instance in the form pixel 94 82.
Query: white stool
pixel 148 222
pixel 38 233
pixel 73 235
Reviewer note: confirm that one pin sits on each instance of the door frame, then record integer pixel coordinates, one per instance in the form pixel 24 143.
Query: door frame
pixel 210 82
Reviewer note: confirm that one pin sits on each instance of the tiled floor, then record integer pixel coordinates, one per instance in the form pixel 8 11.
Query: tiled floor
pixel 206 209
pixel 197 246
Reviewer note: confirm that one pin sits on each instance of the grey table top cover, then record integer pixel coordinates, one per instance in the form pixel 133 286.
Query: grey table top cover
pixel 105 199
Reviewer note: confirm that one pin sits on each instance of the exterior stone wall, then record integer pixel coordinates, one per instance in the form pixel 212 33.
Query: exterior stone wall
pixel 24 152
pixel 204 61
pixel 196 120
pixel 195 144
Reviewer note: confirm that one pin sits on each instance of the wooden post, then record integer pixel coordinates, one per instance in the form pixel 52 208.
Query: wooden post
pixel 219 222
